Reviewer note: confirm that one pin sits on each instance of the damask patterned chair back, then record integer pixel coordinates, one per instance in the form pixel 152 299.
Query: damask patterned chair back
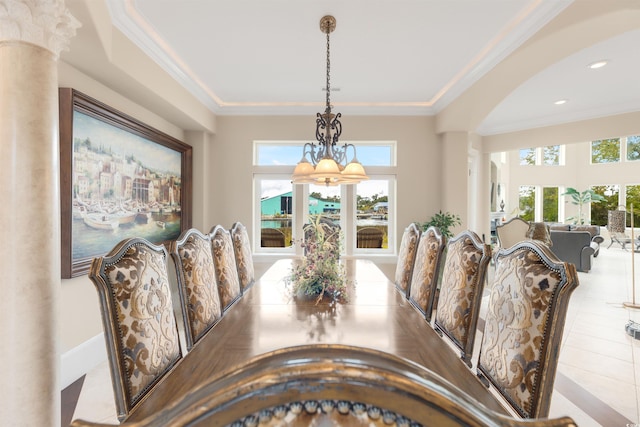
pixel 244 259
pixel 406 258
pixel 523 326
pixel 224 262
pixel 461 289
pixel 425 270
pixel 137 313
pixel 197 286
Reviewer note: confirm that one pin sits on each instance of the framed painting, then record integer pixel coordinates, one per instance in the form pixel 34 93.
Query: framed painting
pixel 119 178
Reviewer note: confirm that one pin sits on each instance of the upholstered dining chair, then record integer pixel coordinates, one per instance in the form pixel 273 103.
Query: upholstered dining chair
pixel 140 328
pixel 406 257
pixel 525 317
pixel 197 286
pixel 424 279
pixel 458 305
pixel 224 262
pixel 512 232
pixel 242 251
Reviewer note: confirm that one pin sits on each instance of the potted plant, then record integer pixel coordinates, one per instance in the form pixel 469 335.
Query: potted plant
pixel 320 272
pixel 444 221
pixel 580 198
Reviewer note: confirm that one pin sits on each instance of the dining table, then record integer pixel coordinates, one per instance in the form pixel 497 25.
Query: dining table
pixel 269 316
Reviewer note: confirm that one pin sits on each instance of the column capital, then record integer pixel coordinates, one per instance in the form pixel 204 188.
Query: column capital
pixel 45 23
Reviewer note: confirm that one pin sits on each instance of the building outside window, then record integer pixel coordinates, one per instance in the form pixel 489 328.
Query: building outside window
pixel 278 210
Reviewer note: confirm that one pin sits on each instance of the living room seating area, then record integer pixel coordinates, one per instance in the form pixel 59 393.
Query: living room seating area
pixel 573 243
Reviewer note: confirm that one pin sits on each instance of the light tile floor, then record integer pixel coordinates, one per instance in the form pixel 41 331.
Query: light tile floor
pixel 598 379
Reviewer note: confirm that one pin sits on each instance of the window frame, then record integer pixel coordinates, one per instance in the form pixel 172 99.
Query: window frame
pixel 300 194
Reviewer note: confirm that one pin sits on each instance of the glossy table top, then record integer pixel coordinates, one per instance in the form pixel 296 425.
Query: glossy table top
pixel 268 317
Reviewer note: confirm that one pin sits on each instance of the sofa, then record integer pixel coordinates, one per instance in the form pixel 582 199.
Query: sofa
pixel 576 244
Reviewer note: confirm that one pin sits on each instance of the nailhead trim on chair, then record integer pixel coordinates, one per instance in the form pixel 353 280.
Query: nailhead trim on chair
pixel 311 407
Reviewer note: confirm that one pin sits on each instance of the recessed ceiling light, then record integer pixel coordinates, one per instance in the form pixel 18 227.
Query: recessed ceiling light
pixel 560 102
pixel 598 64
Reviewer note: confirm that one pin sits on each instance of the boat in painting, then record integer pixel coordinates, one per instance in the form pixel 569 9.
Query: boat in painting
pixel 101 221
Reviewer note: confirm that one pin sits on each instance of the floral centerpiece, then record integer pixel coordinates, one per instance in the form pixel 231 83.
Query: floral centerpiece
pixel 320 272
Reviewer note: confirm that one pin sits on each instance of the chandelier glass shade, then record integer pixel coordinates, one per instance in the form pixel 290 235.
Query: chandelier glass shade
pixel 327 162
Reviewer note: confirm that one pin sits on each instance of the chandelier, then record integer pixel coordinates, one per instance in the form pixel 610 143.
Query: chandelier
pixel 326 163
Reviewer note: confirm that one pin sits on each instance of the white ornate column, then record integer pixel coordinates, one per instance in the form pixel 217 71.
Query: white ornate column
pixel 32 34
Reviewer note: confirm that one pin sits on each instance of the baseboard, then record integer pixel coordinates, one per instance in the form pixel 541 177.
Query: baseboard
pixel 81 359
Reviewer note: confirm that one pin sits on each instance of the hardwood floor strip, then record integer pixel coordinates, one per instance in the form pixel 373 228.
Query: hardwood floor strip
pixel 69 399
pixel 590 404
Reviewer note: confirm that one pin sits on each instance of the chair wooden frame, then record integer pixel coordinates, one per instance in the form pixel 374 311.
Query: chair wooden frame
pixel 461 287
pixel 330 384
pixel 224 261
pixel 426 269
pixel 145 288
pixel 197 287
pixel 244 259
pixel 525 276
pixel 406 258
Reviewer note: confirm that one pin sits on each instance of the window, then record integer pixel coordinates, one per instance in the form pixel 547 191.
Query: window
pixel 280 207
pixel 633 197
pixel 633 148
pixel 605 151
pixel 551 155
pixel 325 201
pixel 528 156
pixel 550 204
pixel 373 211
pixel 275 220
pixel 600 210
pixel 527 202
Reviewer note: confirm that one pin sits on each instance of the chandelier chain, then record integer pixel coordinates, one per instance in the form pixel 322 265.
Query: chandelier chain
pixel 328 71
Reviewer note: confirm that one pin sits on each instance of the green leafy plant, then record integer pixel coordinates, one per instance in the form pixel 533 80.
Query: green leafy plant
pixel 444 221
pixel 581 198
pixel 320 273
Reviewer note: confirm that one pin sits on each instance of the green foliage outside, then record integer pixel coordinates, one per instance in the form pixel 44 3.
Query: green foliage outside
pixel 633 197
pixel 527 202
pixel 366 204
pixel 600 211
pixel 443 221
pixel 633 147
pixel 550 204
pixel 528 156
pixel 605 151
pixel 551 155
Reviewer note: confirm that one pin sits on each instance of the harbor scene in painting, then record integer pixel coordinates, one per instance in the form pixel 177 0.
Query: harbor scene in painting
pixel 123 186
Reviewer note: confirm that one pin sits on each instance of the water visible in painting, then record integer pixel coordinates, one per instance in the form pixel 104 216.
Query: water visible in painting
pixel 90 242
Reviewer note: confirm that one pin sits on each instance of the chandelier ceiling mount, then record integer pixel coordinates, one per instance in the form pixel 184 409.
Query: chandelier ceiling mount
pixel 326 162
